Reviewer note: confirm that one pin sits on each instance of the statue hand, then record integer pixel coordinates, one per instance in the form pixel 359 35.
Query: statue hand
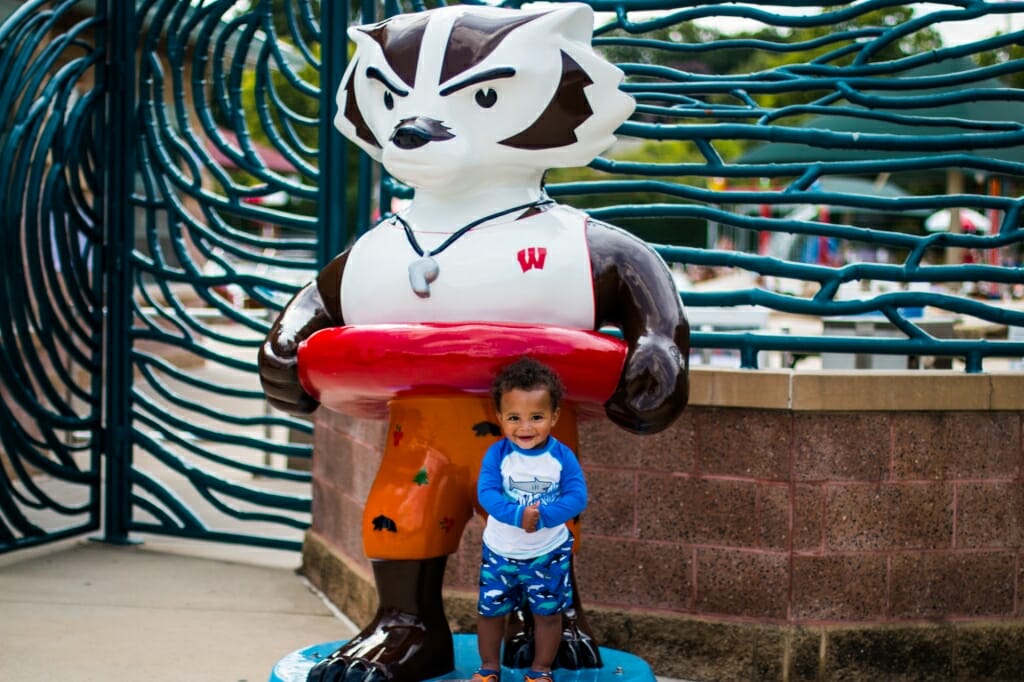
pixel 279 375
pixel 653 388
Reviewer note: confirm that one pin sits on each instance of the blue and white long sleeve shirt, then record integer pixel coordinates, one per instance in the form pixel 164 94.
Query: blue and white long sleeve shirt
pixel 511 479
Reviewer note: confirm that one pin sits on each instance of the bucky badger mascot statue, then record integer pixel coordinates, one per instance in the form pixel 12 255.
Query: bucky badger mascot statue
pixel 470 105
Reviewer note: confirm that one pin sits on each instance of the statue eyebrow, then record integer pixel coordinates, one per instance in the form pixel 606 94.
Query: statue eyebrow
pixel 489 75
pixel 375 73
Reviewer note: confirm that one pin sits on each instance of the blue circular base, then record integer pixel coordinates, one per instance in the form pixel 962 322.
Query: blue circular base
pixel 618 665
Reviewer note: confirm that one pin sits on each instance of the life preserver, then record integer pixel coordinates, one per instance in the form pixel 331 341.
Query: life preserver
pixel 358 369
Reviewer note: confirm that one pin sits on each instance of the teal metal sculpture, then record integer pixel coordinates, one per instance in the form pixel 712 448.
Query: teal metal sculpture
pixel 221 102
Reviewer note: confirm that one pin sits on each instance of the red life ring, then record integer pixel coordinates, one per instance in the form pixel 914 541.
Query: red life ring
pixel 357 370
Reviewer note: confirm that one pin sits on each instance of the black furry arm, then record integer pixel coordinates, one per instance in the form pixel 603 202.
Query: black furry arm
pixel 634 291
pixel 316 306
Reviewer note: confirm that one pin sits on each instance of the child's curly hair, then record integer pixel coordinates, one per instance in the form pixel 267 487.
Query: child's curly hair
pixel 527 374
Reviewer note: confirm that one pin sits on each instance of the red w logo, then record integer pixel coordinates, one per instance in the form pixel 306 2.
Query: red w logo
pixel 532 257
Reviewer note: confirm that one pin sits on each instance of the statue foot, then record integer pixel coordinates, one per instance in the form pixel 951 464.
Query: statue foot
pixel 395 647
pixel 578 649
pixel 338 668
pixel 408 640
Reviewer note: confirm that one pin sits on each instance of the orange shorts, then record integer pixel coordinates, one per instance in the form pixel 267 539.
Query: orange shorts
pixel 425 490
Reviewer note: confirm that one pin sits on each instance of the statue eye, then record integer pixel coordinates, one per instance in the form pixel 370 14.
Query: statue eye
pixel 486 98
pixel 389 101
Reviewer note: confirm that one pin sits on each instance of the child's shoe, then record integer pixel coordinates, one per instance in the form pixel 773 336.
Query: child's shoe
pixel 537 676
pixel 484 675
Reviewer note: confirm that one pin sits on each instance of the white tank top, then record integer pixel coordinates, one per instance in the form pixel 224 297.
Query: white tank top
pixel 530 271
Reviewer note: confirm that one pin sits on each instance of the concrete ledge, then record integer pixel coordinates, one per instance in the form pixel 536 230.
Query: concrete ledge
pixel 848 390
pixel 703 649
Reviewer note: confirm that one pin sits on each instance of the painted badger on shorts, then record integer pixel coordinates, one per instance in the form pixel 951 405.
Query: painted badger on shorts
pixel 470 105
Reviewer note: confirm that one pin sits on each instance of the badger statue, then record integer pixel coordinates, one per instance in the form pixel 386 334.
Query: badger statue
pixel 470 105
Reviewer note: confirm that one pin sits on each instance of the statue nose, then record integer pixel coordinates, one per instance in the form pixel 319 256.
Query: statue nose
pixel 410 137
pixel 412 133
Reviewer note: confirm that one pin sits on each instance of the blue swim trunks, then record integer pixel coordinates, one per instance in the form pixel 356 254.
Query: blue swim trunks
pixel 542 581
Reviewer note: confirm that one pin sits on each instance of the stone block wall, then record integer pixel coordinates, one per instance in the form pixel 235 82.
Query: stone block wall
pixel 788 526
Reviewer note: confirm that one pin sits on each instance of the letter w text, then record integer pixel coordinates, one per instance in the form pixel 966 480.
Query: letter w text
pixel 532 257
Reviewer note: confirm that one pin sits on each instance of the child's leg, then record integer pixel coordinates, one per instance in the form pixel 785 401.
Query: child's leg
pixel 498 594
pixel 549 592
pixel 547 633
pixel 489 633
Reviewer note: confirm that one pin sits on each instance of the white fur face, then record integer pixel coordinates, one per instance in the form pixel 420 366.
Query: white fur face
pixel 458 93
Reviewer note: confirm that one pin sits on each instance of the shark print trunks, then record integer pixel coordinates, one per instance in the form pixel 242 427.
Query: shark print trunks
pixel 542 581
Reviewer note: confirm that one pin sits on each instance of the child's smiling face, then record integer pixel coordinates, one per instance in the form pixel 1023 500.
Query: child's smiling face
pixel 526 417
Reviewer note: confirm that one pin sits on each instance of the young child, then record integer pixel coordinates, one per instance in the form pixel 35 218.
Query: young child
pixel 530 484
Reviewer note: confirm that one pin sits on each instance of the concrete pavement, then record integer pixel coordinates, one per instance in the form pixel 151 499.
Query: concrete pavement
pixel 163 611
pixel 167 610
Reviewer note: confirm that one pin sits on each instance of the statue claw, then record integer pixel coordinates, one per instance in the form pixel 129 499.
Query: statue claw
pixel 340 668
pixel 577 651
pixel 518 651
pixel 396 647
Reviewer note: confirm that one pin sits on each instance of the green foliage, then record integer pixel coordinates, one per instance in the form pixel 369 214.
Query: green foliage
pixel 279 113
pixel 835 52
pixel 1004 55
pixel 765 55
pixel 290 100
pixel 833 43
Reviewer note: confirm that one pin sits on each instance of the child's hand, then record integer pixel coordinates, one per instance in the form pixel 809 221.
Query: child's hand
pixel 531 516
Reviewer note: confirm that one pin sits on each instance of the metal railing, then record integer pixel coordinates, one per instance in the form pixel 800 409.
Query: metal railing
pixel 50 284
pixel 800 165
pixel 823 163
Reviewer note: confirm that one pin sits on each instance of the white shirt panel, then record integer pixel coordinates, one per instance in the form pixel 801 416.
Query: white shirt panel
pixel 530 271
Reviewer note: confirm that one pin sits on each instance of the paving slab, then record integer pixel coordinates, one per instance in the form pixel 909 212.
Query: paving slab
pixel 89 612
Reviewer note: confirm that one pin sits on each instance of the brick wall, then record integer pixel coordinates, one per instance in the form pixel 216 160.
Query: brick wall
pixel 819 514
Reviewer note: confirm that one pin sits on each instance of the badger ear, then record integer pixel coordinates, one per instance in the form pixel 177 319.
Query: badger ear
pixel 357 34
pixel 574 20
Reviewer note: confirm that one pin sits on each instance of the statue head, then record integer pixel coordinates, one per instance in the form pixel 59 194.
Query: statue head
pixel 443 96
